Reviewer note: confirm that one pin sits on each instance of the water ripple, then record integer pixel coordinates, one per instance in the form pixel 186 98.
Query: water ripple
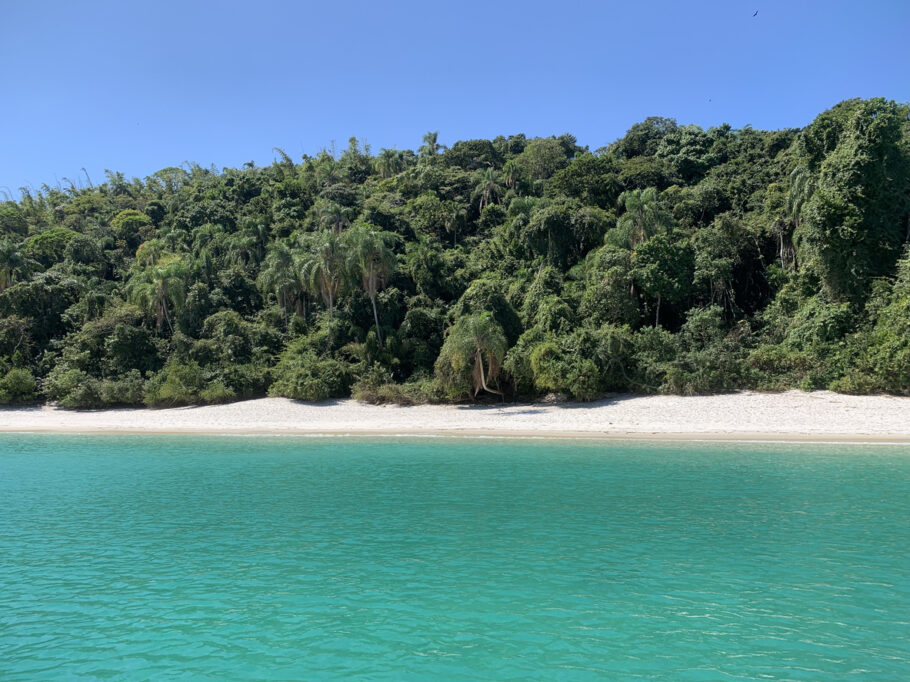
pixel 190 558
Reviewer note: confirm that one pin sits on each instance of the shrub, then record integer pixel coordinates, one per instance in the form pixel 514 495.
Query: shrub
pixel 127 390
pixel 73 388
pixel 217 393
pixel 420 391
pixel 17 386
pixel 177 384
pixel 307 377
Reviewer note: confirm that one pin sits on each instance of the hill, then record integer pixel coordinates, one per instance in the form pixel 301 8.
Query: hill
pixel 675 260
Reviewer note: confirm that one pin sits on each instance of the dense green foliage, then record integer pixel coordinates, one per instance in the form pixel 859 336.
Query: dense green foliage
pixel 676 259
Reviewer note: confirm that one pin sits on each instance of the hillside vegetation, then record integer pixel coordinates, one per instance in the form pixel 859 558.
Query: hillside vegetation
pixel 675 260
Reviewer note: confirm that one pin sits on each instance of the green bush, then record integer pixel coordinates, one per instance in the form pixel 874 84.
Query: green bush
pixel 73 388
pixel 217 393
pixel 246 381
pixel 307 377
pixel 711 356
pixel 127 390
pixel 377 388
pixel 17 386
pixel 176 384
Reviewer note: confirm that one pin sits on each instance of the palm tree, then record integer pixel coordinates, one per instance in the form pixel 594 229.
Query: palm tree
pixel 332 215
pixel 389 162
pixel 643 217
pixel 322 266
pixel 430 147
pixel 287 163
pixel 156 286
pixel 370 255
pixel 258 233
pixel 511 174
pixel 488 189
pixel 325 168
pixel 150 253
pixel 477 341
pixel 203 266
pixel 280 275
pixel 241 249
pixel 456 213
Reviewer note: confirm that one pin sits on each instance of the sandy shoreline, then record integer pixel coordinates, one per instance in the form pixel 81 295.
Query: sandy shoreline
pixel 791 416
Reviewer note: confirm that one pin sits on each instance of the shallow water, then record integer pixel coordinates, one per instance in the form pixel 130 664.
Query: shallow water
pixel 404 559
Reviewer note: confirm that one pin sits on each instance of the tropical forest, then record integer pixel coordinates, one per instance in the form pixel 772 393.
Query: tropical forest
pixel 675 259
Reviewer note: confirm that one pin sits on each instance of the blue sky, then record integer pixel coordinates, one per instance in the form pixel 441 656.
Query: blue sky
pixel 136 87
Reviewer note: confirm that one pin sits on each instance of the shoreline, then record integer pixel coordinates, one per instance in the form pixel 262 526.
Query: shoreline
pixel 758 438
pixel 794 416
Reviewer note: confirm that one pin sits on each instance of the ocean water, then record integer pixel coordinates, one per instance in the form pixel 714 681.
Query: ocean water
pixel 135 558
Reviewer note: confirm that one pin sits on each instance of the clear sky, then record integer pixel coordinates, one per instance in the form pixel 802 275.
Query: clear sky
pixel 136 87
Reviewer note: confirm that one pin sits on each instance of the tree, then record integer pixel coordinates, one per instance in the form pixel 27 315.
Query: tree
pixel 855 219
pixel 430 145
pixel 424 264
pixel 643 139
pixel 389 162
pixel 371 256
pixel 542 157
pixel 322 267
pixel 455 214
pixel 488 189
pixel 133 227
pixel 159 285
pixel 13 264
pixel 49 246
pixel 475 344
pixel 280 275
pixel 664 270
pixel 12 219
pixel 511 173
pixel 643 218
pixel 332 215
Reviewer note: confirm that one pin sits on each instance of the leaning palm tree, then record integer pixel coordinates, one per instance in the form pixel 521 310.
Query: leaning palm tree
pixel 476 342
pixel 371 255
pixel 157 286
pixel 322 266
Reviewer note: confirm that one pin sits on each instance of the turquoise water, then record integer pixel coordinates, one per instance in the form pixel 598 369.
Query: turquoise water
pixel 295 558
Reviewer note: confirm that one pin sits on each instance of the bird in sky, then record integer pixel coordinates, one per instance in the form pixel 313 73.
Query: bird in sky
pixel 755 15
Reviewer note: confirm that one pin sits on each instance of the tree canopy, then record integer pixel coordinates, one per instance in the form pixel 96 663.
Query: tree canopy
pixel 676 259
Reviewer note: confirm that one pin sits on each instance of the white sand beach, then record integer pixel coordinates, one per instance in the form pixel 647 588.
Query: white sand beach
pixel 795 415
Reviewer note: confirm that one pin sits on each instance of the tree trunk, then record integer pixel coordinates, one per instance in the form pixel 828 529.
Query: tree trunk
pixel 167 318
pixel 376 319
pixel 478 360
